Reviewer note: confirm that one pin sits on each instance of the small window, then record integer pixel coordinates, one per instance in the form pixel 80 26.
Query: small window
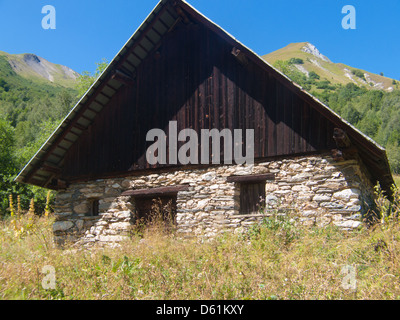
pixel 94 207
pixel 252 197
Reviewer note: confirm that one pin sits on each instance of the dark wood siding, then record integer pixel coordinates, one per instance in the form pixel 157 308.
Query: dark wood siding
pixel 196 81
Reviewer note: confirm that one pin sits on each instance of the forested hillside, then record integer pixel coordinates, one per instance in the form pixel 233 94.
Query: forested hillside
pixel 374 112
pixel 30 110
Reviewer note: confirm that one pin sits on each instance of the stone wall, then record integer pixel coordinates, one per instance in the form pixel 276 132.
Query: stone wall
pixel 314 190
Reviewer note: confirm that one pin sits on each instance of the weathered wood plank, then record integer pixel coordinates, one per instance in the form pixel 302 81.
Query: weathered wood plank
pixel 251 178
pixel 155 191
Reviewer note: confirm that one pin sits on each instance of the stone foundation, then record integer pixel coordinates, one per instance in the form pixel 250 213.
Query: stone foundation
pixel 314 189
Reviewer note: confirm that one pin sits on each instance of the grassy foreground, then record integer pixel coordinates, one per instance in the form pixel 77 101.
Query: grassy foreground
pixel 277 260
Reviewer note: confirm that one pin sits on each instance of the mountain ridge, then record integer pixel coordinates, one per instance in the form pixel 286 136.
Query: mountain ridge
pixel 31 66
pixel 336 73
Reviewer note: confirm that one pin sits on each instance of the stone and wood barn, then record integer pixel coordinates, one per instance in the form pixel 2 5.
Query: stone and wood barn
pixel 179 66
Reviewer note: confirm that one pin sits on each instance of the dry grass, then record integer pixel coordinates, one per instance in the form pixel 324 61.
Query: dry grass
pixel 396 178
pixel 277 260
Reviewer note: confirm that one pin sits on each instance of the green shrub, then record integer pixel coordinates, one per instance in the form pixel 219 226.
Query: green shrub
pixel 358 73
pixel 313 75
pixel 296 61
pixel 325 84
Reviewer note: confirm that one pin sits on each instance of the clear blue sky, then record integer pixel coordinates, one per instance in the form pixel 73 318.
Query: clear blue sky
pixel 87 30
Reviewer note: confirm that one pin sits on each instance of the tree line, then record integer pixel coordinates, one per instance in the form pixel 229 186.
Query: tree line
pixel 30 111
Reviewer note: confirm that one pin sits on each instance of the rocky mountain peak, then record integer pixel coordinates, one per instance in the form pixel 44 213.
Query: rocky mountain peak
pixel 30 65
pixel 29 57
pixel 310 48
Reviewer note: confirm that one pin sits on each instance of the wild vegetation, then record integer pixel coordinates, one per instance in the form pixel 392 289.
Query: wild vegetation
pixel 374 112
pixel 277 259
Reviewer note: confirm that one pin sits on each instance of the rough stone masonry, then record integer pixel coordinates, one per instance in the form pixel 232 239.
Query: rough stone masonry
pixel 315 189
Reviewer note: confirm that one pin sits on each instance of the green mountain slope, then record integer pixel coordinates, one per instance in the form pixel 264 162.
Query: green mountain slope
pixel 31 67
pixel 336 73
pixel 35 95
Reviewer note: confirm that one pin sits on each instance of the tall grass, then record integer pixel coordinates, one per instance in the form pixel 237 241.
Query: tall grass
pixel 277 259
pixel 396 178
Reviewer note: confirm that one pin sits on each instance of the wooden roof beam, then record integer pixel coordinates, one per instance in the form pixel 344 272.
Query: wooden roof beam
pixel 122 77
pixel 341 138
pixel 181 13
pixel 79 126
pixel 50 168
pixel 143 34
pixel 57 184
pixel 240 56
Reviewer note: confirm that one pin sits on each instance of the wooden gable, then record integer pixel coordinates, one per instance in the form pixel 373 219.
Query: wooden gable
pixel 179 66
pixel 193 78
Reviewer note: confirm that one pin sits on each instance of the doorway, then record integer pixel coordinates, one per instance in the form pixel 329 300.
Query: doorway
pixel 152 210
